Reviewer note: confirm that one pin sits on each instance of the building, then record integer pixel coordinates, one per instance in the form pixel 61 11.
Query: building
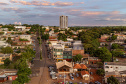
pixel 85 75
pixel 4 44
pixel 93 60
pixel 4 56
pixel 64 67
pixel 77 48
pixel 58 52
pixel 28 37
pixel 20 28
pixel 63 22
pixel 67 54
pixel 116 69
pixel 79 67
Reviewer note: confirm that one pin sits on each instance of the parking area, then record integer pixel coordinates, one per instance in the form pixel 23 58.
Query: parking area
pixel 68 78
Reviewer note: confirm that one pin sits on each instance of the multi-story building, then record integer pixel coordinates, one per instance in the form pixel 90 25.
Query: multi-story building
pixel 67 54
pixel 116 69
pixel 77 48
pixel 63 22
pixel 57 52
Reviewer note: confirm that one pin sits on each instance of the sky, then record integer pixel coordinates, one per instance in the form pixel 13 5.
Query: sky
pixel 79 12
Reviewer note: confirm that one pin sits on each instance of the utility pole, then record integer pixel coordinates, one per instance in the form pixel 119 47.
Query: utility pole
pixel 64 77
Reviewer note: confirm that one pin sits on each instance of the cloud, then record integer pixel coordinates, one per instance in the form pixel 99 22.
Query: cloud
pixel 17 23
pixel 46 3
pixel 17 10
pixel 1 3
pixel 59 3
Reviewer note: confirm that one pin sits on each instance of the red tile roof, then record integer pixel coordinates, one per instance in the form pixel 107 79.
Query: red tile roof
pixel 84 72
pixel 80 66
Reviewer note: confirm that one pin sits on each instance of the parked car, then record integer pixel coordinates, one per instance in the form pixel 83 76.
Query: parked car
pixel 80 83
pixel 54 76
pixel 77 75
pixel 72 78
pixel 97 82
pixel 70 82
pixel 70 74
pixel 60 82
pixel 52 72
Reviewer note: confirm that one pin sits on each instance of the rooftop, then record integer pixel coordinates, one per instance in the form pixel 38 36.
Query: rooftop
pixel 115 63
pixel 64 62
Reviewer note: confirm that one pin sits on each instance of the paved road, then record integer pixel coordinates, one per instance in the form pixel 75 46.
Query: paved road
pixel 41 67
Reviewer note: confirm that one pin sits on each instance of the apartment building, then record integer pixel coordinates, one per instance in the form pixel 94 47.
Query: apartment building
pixel 57 52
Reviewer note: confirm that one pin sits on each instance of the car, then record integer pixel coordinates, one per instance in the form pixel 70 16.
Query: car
pixel 66 82
pixel 77 75
pixel 54 76
pixel 70 82
pixel 80 83
pixel 72 78
pixel 70 74
pixel 60 82
pixel 97 82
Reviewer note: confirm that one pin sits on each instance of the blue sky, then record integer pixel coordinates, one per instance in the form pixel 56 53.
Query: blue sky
pixel 79 12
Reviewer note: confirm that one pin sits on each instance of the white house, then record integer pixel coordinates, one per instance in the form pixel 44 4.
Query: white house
pixel 20 28
pixel 28 37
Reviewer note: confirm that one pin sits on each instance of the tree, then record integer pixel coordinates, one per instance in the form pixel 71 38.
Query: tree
pixel 103 53
pixel 112 80
pixel 7 62
pixel 100 72
pixel 115 46
pixel 117 52
pixel 7 50
pixel 22 78
pixel 16 82
pixel 77 58
pixel 114 37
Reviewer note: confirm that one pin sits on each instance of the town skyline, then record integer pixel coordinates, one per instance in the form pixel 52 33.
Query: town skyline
pixel 80 13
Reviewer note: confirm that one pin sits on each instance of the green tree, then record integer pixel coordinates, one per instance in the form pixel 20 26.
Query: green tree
pixel 103 53
pixel 114 37
pixel 7 62
pixel 16 82
pixel 100 72
pixel 115 46
pixel 112 80
pixel 22 78
pixel 77 58
pixel 117 52
pixel 7 50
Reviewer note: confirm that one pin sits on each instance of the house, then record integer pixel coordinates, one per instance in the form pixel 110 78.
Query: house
pixel 93 60
pixel 116 69
pixel 4 56
pixel 64 67
pixel 27 28
pixel 46 28
pixel 4 44
pixel 57 52
pixel 20 28
pixel 28 37
pixel 79 67
pixel 121 36
pixel 85 75
pixel 8 74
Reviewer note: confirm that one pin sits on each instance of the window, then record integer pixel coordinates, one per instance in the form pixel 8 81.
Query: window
pixel 106 66
pixel 116 67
